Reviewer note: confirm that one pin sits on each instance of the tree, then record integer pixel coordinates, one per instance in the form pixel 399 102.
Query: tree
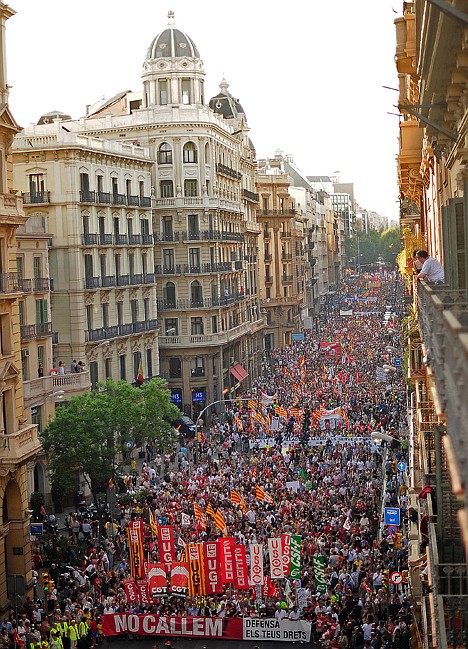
pixel 93 433
pixel 368 248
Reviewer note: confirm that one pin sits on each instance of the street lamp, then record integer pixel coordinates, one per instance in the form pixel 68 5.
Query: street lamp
pixel 377 436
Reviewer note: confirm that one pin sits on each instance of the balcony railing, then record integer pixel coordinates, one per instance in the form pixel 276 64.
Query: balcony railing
pixel 105 239
pixel 108 281
pixel 199 303
pixel 43 329
pixel 289 212
pixel 36 197
pixel 147 239
pixel 25 285
pixel 28 332
pixel 286 255
pixel 136 279
pixel 134 239
pixel 20 446
pixel 123 280
pixel 41 388
pixel 92 282
pixel 40 330
pixel 148 278
pixel 167 236
pixel 10 283
pixel 285 235
pixel 41 284
pixel 118 199
pixel 228 171
pixel 251 196
pixel 145 201
pixel 87 196
pixel 115 331
pixel 121 240
pixel 89 239
pixel 104 197
pixel 287 278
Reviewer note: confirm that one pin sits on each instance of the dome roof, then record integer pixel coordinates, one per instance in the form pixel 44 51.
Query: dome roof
pixel 225 104
pixel 172 43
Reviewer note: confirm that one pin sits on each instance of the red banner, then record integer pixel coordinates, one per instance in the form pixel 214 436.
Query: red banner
pixel 166 545
pixel 241 575
pixel 226 559
pixel 286 547
pixel 157 579
pixel 130 590
pixel 256 564
pixel 196 582
pixel 143 594
pixel 179 578
pixel 332 350
pixel 213 582
pixel 135 549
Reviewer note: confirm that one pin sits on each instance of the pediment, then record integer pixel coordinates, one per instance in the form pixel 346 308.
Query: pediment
pixel 10 371
pixel 7 120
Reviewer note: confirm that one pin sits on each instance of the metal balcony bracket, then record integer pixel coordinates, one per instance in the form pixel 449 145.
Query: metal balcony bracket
pixel 451 11
pixel 410 109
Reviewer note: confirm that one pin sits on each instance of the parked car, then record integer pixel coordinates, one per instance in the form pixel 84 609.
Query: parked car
pixel 185 426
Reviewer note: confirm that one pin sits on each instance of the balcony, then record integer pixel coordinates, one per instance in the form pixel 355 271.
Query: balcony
pixel 115 331
pixel 133 201
pixel 105 239
pixel 123 280
pixel 92 282
pixel 121 240
pixel 192 236
pixel 228 172
pixel 147 239
pixel 199 303
pixel 43 329
pixel 134 239
pixel 239 265
pixel 89 239
pixel 104 198
pixel 41 389
pixel 268 279
pixel 27 332
pixel 167 236
pixel 25 285
pixel 197 372
pixel 19 447
pixel 287 278
pixel 10 283
pixel 290 212
pixel 148 278
pixel 126 329
pixel 30 198
pixel 250 196
pixel 267 256
pixel 41 284
pixel 285 235
pixel 87 196
pixel 108 281
pixel 168 270
pixel 118 199
pixel 136 279
pixel 286 255
pixel 210 340
pixel 145 201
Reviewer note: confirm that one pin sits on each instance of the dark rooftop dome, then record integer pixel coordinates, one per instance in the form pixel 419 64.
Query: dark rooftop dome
pixel 224 103
pixel 172 43
pixel 48 118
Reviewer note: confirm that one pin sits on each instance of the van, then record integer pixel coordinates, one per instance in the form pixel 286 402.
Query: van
pixel 185 426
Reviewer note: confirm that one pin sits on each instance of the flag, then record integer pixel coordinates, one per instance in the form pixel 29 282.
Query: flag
pixel 302 362
pixel 210 510
pixel 198 511
pixel 140 379
pixel 250 404
pixel 237 498
pixel 220 521
pixel 152 522
pixel 185 520
pixel 261 494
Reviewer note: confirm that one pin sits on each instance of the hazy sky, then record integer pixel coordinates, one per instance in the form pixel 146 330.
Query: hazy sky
pixel 309 73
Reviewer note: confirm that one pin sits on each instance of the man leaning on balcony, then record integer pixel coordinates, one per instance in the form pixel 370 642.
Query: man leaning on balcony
pixel 432 269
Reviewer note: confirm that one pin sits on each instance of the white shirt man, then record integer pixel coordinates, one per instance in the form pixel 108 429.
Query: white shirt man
pixel 432 269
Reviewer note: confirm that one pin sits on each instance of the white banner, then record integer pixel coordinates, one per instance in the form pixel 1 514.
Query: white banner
pixel 275 551
pixel 276 630
pixel 256 564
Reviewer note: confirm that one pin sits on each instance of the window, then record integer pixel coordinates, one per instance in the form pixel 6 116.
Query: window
pixel 171 326
pixel 146 308
pixel 197 366
pixel 163 94
pixel 36 184
pixel 175 368
pixel 167 228
pixel 100 183
pixel 128 186
pixel 102 264
pixel 193 227
pixel 141 188
pixel 194 258
pixel 105 315
pixel 88 265
pixel 136 363
pixel 20 267
pixel 116 227
pixel 190 152
pixel 84 182
pixel 120 312
pixel 8 412
pixel 214 324
pixel 131 263
pixel 41 312
pixel 207 154
pixel 164 154
pixel 191 187
pixel 186 91
pixel 108 367
pixel 196 294
pixel 36 417
pixel 129 227
pixel 149 362
pixel 202 92
pixel 144 263
pixel 25 364
pixel 169 293
pixel 40 355
pixel 86 224
pixel 93 374
pixel 196 326
pixel 168 259
pixel 115 186
pixel 89 316
pixel 134 311
pixel 117 265
pixel 144 227
pixel 123 371
pixel 21 306
pixel 166 188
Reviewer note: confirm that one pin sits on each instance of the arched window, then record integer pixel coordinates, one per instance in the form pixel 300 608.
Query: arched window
pixel 207 154
pixel 190 152
pixel 170 294
pixel 196 294
pixel 164 154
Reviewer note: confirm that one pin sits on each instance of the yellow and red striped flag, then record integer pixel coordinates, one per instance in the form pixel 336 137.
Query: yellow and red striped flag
pixel 210 510
pixel 295 412
pixel 220 521
pixel 250 404
pixel 302 362
pixel 261 494
pixel 237 499
pixel 198 512
pixel 152 522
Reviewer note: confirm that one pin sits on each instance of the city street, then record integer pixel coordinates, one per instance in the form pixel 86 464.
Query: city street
pixel 203 644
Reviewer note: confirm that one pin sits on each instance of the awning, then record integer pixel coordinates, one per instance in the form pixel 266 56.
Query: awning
pixel 239 372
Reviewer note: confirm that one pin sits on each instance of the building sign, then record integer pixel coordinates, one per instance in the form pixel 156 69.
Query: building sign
pixel 198 395
pixel 176 397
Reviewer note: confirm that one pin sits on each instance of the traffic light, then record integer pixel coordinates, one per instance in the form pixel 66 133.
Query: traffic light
pixel 398 543
pixel 385 579
pixel 46 582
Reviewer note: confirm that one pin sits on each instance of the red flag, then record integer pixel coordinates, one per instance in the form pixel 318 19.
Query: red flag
pixel 213 581
pixel 157 579
pixel 286 548
pixel 166 545
pixel 179 578
pixel 226 559
pixel 130 590
pixel 143 594
pixel 241 576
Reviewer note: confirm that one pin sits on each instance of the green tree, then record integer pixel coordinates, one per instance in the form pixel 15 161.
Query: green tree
pixel 93 433
pixel 365 249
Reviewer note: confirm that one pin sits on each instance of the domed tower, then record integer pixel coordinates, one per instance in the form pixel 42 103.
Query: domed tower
pixel 173 72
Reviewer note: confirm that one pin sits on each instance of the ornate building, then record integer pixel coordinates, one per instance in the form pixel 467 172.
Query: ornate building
pixel 432 63
pixel 19 443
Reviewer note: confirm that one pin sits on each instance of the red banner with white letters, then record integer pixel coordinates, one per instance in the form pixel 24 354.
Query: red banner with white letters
pixel 286 548
pixel 166 546
pixel 196 584
pixel 256 564
pixel 179 578
pixel 226 559
pixel 135 549
pixel 130 589
pixel 143 591
pixel 213 582
pixel 157 579
pixel 276 558
pixel 241 575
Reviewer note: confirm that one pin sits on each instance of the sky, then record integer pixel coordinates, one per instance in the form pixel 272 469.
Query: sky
pixel 308 73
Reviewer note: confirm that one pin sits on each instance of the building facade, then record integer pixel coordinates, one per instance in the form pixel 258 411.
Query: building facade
pixel 20 443
pixel 432 63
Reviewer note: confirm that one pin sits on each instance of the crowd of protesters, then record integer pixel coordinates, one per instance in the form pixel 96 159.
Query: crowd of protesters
pixel 326 479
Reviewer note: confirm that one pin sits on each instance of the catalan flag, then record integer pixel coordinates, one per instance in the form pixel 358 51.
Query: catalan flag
pixel 238 500
pixel 295 412
pixel 261 494
pixel 152 522
pixel 198 511
pixel 210 510
pixel 254 472
pixel 302 362
pixel 220 521
pixel 251 404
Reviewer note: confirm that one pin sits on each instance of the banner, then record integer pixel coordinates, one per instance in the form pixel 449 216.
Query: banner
pixel 241 575
pixel 248 628
pixel 295 565
pixel 135 549
pixel 256 564
pixel 157 579
pixel 318 564
pixel 179 579
pixel 226 559
pixel 213 583
pixel 285 547
pixel 166 545
pixel 130 590
pixel 196 582
pixel 331 350
pixel 143 594
pixel 276 558
pixel 269 587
